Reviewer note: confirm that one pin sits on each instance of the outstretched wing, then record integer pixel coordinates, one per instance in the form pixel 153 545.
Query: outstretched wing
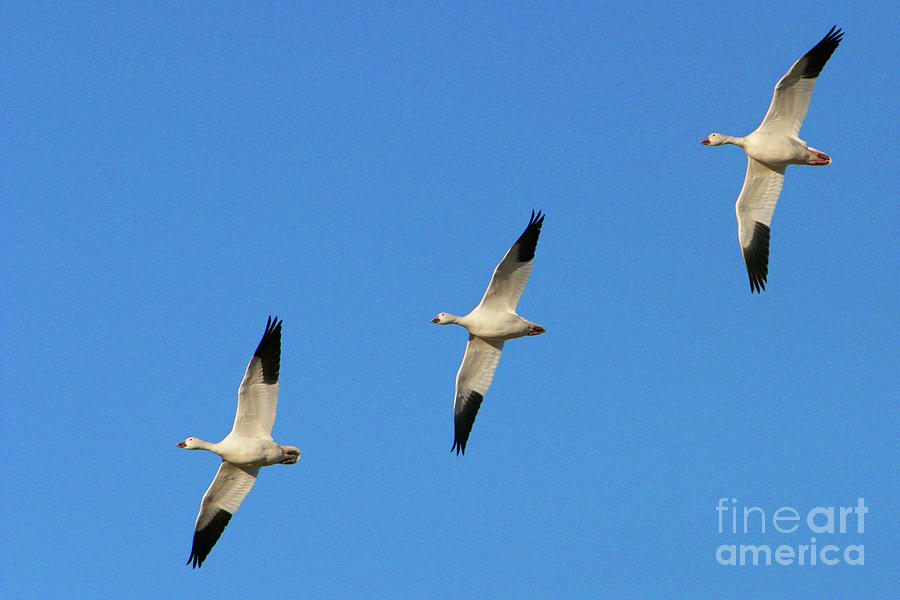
pixel 511 275
pixel 793 91
pixel 472 382
pixel 754 208
pixel 258 392
pixel 221 500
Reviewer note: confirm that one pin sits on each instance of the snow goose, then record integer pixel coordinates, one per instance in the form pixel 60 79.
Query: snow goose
pixel 248 447
pixel 489 324
pixel 770 148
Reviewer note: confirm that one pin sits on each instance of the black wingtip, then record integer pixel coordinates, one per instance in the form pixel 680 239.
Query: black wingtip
pixel 206 538
pixel 464 420
pixel 821 52
pixel 269 350
pixel 528 240
pixel 758 285
pixel 272 324
pixel 756 257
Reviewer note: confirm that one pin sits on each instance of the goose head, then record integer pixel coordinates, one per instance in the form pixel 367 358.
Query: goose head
pixel 191 443
pixel 713 139
pixel 443 318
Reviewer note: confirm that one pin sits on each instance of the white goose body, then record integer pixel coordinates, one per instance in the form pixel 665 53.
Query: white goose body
pixel 773 146
pixel 246 449
pixel 243 451
pixel 489 324
pixel 773 149
pixel 498 325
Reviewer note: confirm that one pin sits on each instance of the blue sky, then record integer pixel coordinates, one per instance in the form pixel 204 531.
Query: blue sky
pixel 173 174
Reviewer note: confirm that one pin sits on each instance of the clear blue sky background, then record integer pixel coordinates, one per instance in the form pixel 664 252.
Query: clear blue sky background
pixel 171 174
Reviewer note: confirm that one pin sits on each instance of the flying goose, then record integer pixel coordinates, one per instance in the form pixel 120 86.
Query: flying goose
pixel 248 447
pixel 772 147
pixel 489 324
